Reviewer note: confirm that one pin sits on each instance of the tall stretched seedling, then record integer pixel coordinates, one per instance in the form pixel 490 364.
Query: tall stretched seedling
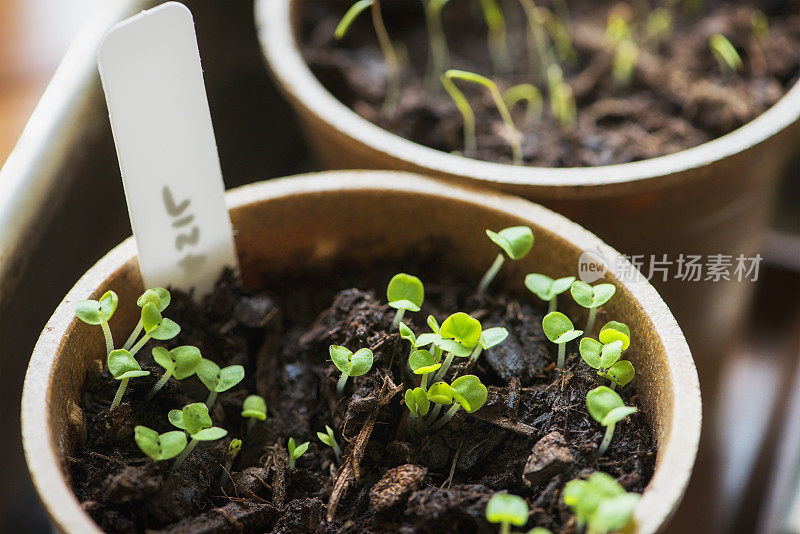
pixel 438 51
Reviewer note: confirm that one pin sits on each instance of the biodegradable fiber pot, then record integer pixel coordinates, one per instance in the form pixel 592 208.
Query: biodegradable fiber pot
pixel 712 199
pixel 342 216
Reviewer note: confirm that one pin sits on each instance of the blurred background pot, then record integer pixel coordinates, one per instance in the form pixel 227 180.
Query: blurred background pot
pixel 284 223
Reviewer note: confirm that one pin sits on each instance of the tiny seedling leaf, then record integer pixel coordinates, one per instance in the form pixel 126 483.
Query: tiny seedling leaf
pixel 545 287
pixel 463 328
pixel 613 514
pixel 417 402
pixel 162 358
pixel 610 354
pixel 108 304
pixel 191 418
pixel 469 392
pixel 440 393
pixel 405 292
pixel 591 296
pixel 255 407
pixel 558 328
pixel 423 362
pixel 88 311
pixel 493 336
pixel 507 509
pixel 516 241
pixel 426 339
pixel 122 365
pixel 618 414
pixel 361 362
pixel 454 347
pixel 158 296
pixel 219 379
pixel 602 402
pixel 159 447
pixel 432 324
pixel 210 434
pixel 615 331
pixel 621 373
pixel 406 333
pixel 590 352
pixel 327 437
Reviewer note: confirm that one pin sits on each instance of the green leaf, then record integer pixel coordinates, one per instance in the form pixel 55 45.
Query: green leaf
pixel 194 417
pixel 157 296
pixel 168 329
pixel 558 328
pixel 590 352
pixel 219 379
pixel 108 304
pixel 469 392
pixel 454 347
pixel 341 357
pixel 151 317
pixel 440 393
pixel 290 446
pixel 605 485
pixel 600 401
pixel 515 241
pixel 417 402
pixel 505 508
pixel 300 450
pixel 612 514
pixel 591 296
pixel 351 15
pixel 432 324
pixel 254 406
pixel 545 287
pixel 406 333
pixel 229 377
pixel 405 292
pixel 210 434
pixel 493 336
pixel 426 339
pixel 132 374
pixel 615 331
pixel 327 437
pixel 208 373
pixel 159 447
pixel 422 362
pixel 463 328
pixel 88 311
pixel 163 358
pixel 360 362
pixel 176 418
pixel 610 354
pixel 618 414
pixel 121 362
pixel 187 359
pixel 621 373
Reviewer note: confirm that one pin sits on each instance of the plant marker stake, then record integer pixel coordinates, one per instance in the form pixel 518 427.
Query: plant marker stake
pixel 153 81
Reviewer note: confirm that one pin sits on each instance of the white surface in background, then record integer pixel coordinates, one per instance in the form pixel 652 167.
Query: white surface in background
pixel 150 67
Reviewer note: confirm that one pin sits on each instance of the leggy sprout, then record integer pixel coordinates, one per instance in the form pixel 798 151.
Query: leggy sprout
pixel 658 25
pixel 123 366
pixel 98 312
pixel 469 393
pixel 329 439
pixel 537 38
pixel 230 454
pixel 725 53
pixel 155 327
pixel 459 333
pixel 385 42
pixel 516 241
pixel 559 330
pixel 254 408
pixel 194 419
pixel 295 451
pixel 606 359
pixel 405 293
pixel 591 297
pixel 180 362
pixel 218 380
pixel 606 407
pixel 620 35
pixel 489 338
pixel 600 503
pixel 496 38
pixel 532 97
pixel 438 52
pixel 562 99
pixel 507 510
pixel 423 363
pixel 350 364
pixel 160 298
pixel 159 446
pixel 548 289
pixel 514 137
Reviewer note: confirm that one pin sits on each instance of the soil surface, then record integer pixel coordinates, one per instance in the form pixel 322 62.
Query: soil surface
pixel 679 95
pixel 532 436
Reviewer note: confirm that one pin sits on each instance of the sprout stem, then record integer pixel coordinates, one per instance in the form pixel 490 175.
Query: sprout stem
pixel 107 335
pixel 123 384
pixel 496 39
pixel 158 385
pixel 590 321
pixel 134 335
pixel 340 384
pixel 606 440
pixel 251 424
pixel 445 366
pixel 446 417
pixel 505 528
pixel 476 352
pixel 211 399
pixel 437 353
pixel 136 348
pixel 186 452
pixel 392 65
pixel 291 461
pixel 439 54
pixel 397 318
pixel 470 143
pixel 537 37
pixel 553 306
pixel 433 414
pixel 337 451
pixel 562 355
pixel 491 273
pixel 423 383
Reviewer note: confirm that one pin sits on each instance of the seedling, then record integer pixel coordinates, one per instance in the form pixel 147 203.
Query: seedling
pixel 439 394
pixel 562 99
pixel 155 327
pixel 405 293
pixel 507 510
pixel 217 379
pixel 460 334
pixel 606 407
pixel 513 135
pixel 230 454
pixel 725 53
pixel 560 36
pixel 180 362
pixel 468 116
pixel 496 38
pixel 254 409
pixel 385 42
pixel 99 312
pixel 537 37
pixel 350 364
pixel 658 26
pixel 295 451
pixel 516 241
pixel 615 331
pixel 123 366
pixel 194 419
pixel 606 359
pixel 600 503
pixel 329 439
pixel 530 94
pixel 159 446
pixel 160 298
pixel 469 393
pixel 489 338
pixel 438 52
pixel 591 297
pixel 759 24
pixel 559 330
pixel 417 401
pixel 548 289
pixel 423 363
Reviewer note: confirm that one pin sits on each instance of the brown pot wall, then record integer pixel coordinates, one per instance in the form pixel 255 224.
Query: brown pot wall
pixel 342 216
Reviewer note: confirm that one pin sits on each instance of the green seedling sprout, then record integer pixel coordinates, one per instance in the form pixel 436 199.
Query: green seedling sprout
pixel 254 409
pixel 559 330
pixel 759 24
pixel 98 312
pixel 489 338
pixel 559 35
pixel 516 241
pixel 180 362
pixel 160 298
pixel 606 407
pixel 422 362
pixel 496 38
pixel 600 503
pixel 405 293
pixel 725 53
pixel 615 331
pixel 385 42
pixel 469 393
pixel 230 454
pixel 507 510
pixel 658 26
pixel 438 51
pixel 159 446
pixel 295 451
pixel 460 334
pixel 530 94
pixel 155 327
pixel 218 380
pixel 468 116
pixel 606 359
pixel 591 298
pixel 194 419
pixel 548 289
pixel 417 401
pixel 329 439
pixel 626 57
pixel 350 364
pixel 562 99
pixel 123 366
pixel 537 37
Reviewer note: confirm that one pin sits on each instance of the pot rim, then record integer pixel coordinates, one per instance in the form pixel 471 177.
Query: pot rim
pixel 677 454
pixel 279 46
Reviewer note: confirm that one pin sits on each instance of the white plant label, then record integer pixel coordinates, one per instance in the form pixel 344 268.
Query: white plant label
pixel 157 104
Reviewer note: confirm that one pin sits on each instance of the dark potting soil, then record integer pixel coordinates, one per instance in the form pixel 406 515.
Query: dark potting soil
pixel 679 96
pixel 390 482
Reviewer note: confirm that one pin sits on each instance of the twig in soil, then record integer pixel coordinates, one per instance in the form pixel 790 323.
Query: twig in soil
pixel 277 461
pixel 507 423
pixel 449 479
